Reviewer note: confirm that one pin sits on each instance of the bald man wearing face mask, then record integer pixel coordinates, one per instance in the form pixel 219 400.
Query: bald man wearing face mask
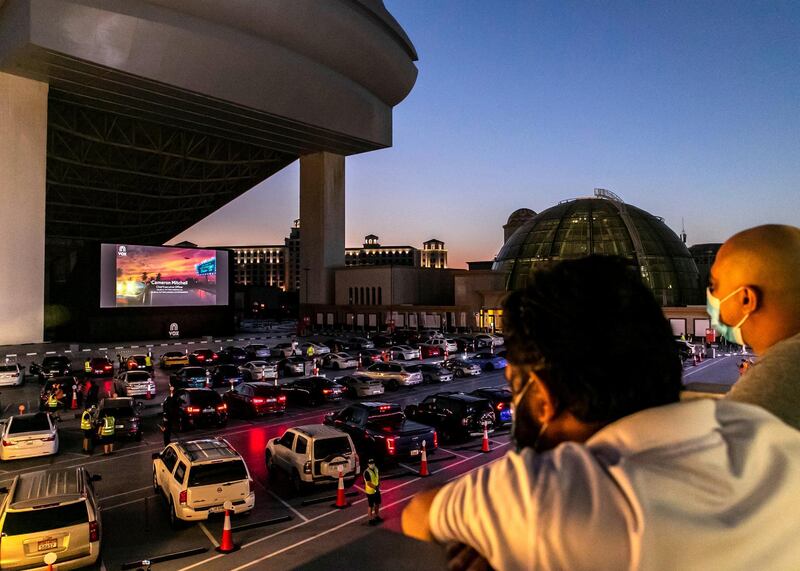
pixel 754 298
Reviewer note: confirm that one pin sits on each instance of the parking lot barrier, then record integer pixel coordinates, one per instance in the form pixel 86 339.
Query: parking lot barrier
pixel 264 523
pixel 165 557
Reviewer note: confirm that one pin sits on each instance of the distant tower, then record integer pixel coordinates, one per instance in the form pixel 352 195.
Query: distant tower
pixel 433 254
pixel 517 219
pixel 683 232
pixel 292 243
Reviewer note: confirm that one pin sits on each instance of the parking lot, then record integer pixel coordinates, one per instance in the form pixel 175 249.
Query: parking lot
pixel 306 527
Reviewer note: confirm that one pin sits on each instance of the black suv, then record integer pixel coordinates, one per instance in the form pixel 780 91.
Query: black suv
pixel 52 366
pixel 456 416
pixel 199 407
pixel 501 402
pixel 128 423
pixel 313 391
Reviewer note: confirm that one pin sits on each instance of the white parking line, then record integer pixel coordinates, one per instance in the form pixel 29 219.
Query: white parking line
pixel 452 452
pixel 129 502
pixel 294 511
pixel 126 493
pixel 703 367
pixel 210 537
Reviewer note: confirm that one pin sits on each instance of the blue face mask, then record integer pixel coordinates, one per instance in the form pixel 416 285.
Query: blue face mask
pixel 732 333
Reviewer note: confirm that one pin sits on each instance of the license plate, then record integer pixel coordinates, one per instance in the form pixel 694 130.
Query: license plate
pixel 209 409
pixel 217 509
pixel 47 545
pixel 415 452
pixel 118 426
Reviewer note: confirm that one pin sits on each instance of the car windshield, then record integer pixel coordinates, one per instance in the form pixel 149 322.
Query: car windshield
pixel 414 368
pixel 54 361
pixel 326 447
pixel 118 412
pixel 45 519
pixel 228 371
pixel 220 473
pixel 35 423
pixel 267 391
pixel 139 359
pixel 195 372
pixel 8 368
pixel 173 354
pixel 205 398
pixel 138 376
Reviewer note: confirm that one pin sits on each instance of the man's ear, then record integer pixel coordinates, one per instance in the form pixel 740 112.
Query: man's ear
pixel 751 299
pixel 544 404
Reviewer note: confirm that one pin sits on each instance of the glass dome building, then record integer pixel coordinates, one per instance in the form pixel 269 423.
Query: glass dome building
pixel 606 225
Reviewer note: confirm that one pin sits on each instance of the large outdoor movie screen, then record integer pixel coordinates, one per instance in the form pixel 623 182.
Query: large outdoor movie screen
pixel 155 276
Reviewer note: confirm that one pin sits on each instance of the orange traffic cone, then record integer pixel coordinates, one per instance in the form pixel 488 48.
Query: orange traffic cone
pixel 485 443
pixel 341 502
pixel 226 545
pixel 148 395
pixel 74 405
pixel 420 353
pixel 423 464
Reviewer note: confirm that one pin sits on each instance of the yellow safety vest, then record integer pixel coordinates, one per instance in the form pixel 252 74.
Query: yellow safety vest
pixel 52 401
pixel 108 426
pixel 371 480
pixel 86 420
pixel 87 366
pixel 310 351
pixel 147 361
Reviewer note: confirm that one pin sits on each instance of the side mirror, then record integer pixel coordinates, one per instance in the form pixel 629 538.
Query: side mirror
pixel 95 477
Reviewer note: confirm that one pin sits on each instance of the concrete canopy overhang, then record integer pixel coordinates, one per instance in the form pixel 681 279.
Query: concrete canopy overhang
pixel 296 76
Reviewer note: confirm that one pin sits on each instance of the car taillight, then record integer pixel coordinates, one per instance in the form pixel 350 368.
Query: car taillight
pixel 182 497
pixel 384 407
pixel 307 467
pixel 282 398
pixel 465 421
pixel 94 531
pixel 200 357
pixel 192 409
pixel 500 406
pixel 108 367
pixel 214 356
pixel 435 439
pixel 259 400
pixel 222 407
pixel 327 391
pixel 390 445
pixel 8 442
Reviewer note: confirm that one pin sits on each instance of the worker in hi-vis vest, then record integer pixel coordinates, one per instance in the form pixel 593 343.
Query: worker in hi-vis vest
pixel 106 432
pixel 87 427
pixel 372 487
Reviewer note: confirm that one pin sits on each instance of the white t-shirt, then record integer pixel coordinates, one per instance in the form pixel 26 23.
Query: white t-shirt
pixel 706 485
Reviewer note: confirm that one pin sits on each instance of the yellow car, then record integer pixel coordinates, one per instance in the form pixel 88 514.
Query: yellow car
pixel 172 359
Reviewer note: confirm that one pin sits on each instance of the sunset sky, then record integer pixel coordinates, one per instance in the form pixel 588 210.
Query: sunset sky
pixel 171 263
pixel 688 110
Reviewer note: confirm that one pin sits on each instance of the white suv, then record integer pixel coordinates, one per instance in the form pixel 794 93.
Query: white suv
pixel 444 345
pixel 197 477
pixel 312 454
pixel 393 375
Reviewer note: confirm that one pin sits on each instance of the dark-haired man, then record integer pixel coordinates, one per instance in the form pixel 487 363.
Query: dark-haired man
pixel 611 471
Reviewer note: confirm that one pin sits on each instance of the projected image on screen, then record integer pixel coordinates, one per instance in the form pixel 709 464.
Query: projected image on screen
pixel 153 276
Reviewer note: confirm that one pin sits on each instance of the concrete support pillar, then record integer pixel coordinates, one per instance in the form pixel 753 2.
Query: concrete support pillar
pixel 23 156
pixel 322 221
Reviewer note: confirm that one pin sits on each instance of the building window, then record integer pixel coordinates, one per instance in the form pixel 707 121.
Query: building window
pixel 350 296
pixel 374 299
pixel 361 295
pixel 380 296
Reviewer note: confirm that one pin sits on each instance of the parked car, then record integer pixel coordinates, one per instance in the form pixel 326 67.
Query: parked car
pixel 225 375
pixel 100 367
pixel 369 356
pixel 487 341
pixel 444 345
pixel 488 361
pixel 455 416
pixel 62 388
pixel 257 351
pixel 500 400
pixel 283 350
pixel 383 340
pixel 254 399
pixel 465 344
pixel 380 430
pixel 359 343
pixel 173 359
pixel 339 361
pixel 312 454
pixel 313 390
pixel 428 350
pixel 127 422
pixel 294 366
pixel 135 384
pixel 197 478
pixel 261 370
pixel 232 355
pixel 50 511
pixel 51 366
pixel 432 373
pixel 136 363
pixel 462 367
pixel 357 385
pixel 199 407
pixel 319 350
pixel 403 352
pixel 11 375
pixel 393 375
pixel 203 357
pixel 190 377
pixel 28 436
